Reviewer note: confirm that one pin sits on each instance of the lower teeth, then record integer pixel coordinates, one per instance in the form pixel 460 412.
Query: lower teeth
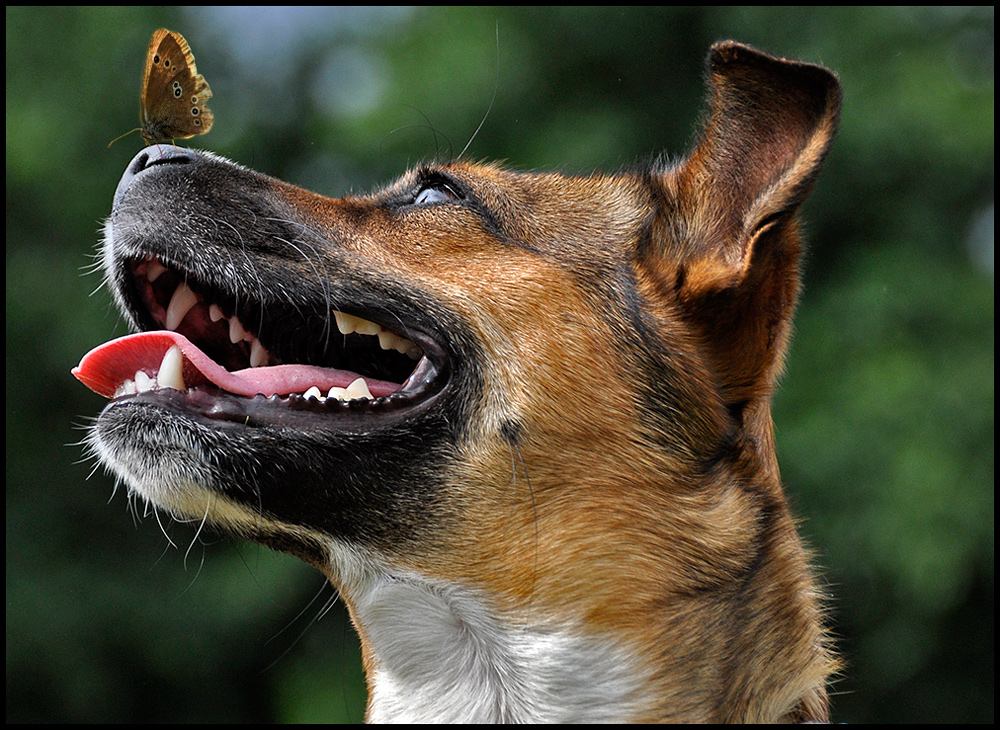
pixel 355 391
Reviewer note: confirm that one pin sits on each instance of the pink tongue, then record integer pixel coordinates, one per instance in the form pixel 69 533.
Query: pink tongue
pixel 106 367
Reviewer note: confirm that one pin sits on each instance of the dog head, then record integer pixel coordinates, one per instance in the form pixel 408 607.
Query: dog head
pixel 564 420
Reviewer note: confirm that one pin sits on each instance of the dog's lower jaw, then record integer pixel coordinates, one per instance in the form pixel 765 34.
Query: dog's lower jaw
pixel 439 653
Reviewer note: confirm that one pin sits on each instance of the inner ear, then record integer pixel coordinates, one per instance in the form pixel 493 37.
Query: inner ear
pixel 770 125
pixel 726 244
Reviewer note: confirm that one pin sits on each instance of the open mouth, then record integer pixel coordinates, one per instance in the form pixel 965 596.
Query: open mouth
pixel 312 358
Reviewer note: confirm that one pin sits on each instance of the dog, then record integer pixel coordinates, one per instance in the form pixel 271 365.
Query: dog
pixel 520 420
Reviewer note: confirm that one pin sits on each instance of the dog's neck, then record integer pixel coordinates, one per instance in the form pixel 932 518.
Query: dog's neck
pixel 438 653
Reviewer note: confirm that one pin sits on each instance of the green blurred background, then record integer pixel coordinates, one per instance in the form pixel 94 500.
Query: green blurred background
pixel 885 418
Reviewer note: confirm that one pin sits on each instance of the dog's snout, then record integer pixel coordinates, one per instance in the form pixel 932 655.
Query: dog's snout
pixel 152 156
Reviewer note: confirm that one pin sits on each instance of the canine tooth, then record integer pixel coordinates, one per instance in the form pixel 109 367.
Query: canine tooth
pixel 180 304
pixel 154 270
pixel 358 389
pixel 215 313
pixel 258 355
pixel 313 392
pixel 236 331
pixel 171 373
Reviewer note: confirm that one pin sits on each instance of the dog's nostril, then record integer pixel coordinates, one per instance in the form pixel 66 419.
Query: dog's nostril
pixel 160 154
pixel 138 163
pixel 152 156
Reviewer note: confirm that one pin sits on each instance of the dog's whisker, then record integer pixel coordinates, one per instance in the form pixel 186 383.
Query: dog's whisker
pixel 496 90
pixel 316 261
pixel 328 604
pixel 163 529
pixel 197 533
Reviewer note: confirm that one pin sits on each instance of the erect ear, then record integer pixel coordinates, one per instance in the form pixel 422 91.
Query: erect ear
pixel 725 246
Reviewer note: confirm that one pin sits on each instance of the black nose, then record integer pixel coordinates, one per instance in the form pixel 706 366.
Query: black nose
pixel 152 156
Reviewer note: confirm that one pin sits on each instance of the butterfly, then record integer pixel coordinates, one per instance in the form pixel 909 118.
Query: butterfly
pixel 174 94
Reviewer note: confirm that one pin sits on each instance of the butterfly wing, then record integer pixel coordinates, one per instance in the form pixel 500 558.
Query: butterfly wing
pixel 174 94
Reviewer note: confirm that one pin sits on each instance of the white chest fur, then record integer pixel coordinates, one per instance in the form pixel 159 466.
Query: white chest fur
pixel 441 656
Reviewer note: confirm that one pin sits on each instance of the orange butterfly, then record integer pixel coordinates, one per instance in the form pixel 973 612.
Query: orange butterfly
pixel 174 94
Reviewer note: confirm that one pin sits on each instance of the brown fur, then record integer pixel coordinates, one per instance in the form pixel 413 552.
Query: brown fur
pixel 615 464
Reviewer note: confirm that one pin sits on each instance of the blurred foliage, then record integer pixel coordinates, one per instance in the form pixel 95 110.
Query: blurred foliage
pixel 885 418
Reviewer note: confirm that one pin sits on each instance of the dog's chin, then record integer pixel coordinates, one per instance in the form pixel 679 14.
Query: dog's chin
pixel 243 464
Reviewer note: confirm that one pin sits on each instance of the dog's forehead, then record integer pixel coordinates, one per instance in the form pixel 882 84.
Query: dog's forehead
pixel 541 206
pixel 495 180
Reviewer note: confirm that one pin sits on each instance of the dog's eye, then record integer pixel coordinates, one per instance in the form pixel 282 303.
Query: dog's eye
pixel 435 192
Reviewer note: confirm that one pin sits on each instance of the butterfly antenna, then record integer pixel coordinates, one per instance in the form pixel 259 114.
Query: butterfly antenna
pixel 137 129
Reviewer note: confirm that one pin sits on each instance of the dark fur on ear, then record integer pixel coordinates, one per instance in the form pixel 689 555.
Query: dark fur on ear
pixel 728 213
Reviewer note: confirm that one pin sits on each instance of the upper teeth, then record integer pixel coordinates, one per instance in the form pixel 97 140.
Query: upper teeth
pixel 348 323
pixel 180 304
pixel 184 299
